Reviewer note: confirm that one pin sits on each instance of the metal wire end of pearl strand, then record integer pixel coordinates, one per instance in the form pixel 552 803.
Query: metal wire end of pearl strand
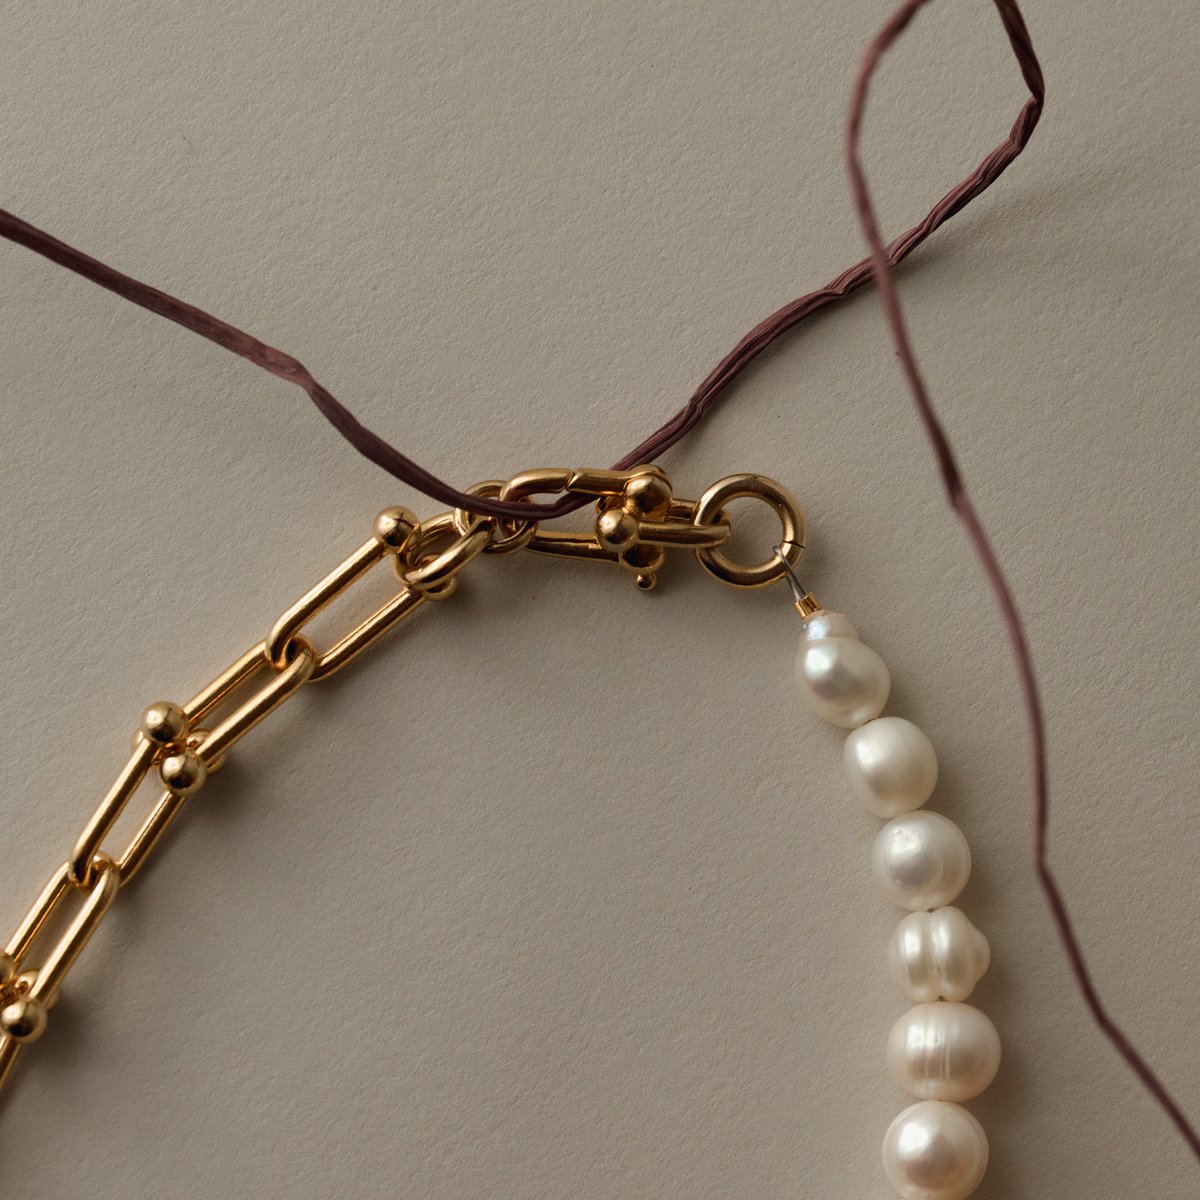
pixel 806 602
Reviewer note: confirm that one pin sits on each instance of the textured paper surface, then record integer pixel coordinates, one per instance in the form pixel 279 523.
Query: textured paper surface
pixel 559 892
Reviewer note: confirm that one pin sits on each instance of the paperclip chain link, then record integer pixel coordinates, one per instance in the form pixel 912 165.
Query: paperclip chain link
pixel 181 745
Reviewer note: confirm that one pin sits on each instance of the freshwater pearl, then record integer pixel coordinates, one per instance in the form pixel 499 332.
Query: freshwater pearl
pixel 842 680
pixel 943 1051
pixel 921 860
pixel 935 1151
pixel 938 954
pixel 891 765
pixel 825 624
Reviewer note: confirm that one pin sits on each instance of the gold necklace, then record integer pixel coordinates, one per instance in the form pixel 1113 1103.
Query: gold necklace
pixel 177 746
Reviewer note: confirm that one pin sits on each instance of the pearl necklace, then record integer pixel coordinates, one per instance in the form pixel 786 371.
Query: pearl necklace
pixel 942 1051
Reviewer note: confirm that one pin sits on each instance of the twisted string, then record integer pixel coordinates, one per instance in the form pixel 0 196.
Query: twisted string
pixel 956 493
pixel 714 386
pixel 877 265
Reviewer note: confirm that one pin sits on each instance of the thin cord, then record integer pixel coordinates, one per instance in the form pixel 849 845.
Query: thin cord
pixel 384 455
pixel 956 493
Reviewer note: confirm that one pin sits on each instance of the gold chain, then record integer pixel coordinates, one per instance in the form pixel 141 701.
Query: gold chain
pixel 638 518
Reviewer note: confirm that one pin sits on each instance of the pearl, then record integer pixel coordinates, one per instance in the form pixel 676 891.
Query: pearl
pixel 842 680
pixel 824 624
pixel 943 1051
pixel 938 954
pixel 921 860
pixel 935 1151
pixel 891 765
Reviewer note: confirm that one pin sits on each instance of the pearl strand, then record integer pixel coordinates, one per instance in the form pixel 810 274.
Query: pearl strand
pixel 941 1051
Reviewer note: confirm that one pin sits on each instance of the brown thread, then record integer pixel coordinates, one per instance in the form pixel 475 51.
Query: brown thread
pixel 705 396
pixel 878 266
pixel 956 493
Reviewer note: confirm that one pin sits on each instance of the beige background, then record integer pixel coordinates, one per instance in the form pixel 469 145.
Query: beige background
pixel 560 893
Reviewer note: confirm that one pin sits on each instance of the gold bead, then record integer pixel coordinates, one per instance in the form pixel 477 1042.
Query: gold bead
pixel 394 527
pixel 648 496
pixel 616 530
pixel 163 723
pixel 184 773
pixel 195 740
pixel 23 985
pixel 24 1020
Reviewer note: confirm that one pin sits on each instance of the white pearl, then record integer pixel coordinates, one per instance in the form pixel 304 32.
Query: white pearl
pixel 891 765
pixel 943 1051
pixel 825 624
pixel 935 1151
pixel 938 954
pixel 842 680
pixel 921 860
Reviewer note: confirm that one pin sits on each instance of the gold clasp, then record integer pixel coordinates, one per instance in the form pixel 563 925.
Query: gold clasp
pixel 638 517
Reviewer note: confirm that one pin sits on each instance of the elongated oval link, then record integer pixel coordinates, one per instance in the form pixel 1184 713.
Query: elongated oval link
pixel 61 959
pixel 8 1055
pixel 81 865
pixel 99 897
pixel 278 688
pixel 229 680
pixel 244 718
pixel 286 629
pixel 47 902
pixel 148 836
pixel 319 597
pixel 170 804
pixel 386 617
pixel 211 747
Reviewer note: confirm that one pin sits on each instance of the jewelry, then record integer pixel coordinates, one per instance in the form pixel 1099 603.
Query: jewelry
pixel 177 746
pixel 942 1051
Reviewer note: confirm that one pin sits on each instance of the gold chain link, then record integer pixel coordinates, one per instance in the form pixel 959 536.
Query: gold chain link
pixel 637 519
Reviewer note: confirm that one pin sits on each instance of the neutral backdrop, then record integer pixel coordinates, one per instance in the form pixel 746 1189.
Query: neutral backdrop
pixel 560 892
